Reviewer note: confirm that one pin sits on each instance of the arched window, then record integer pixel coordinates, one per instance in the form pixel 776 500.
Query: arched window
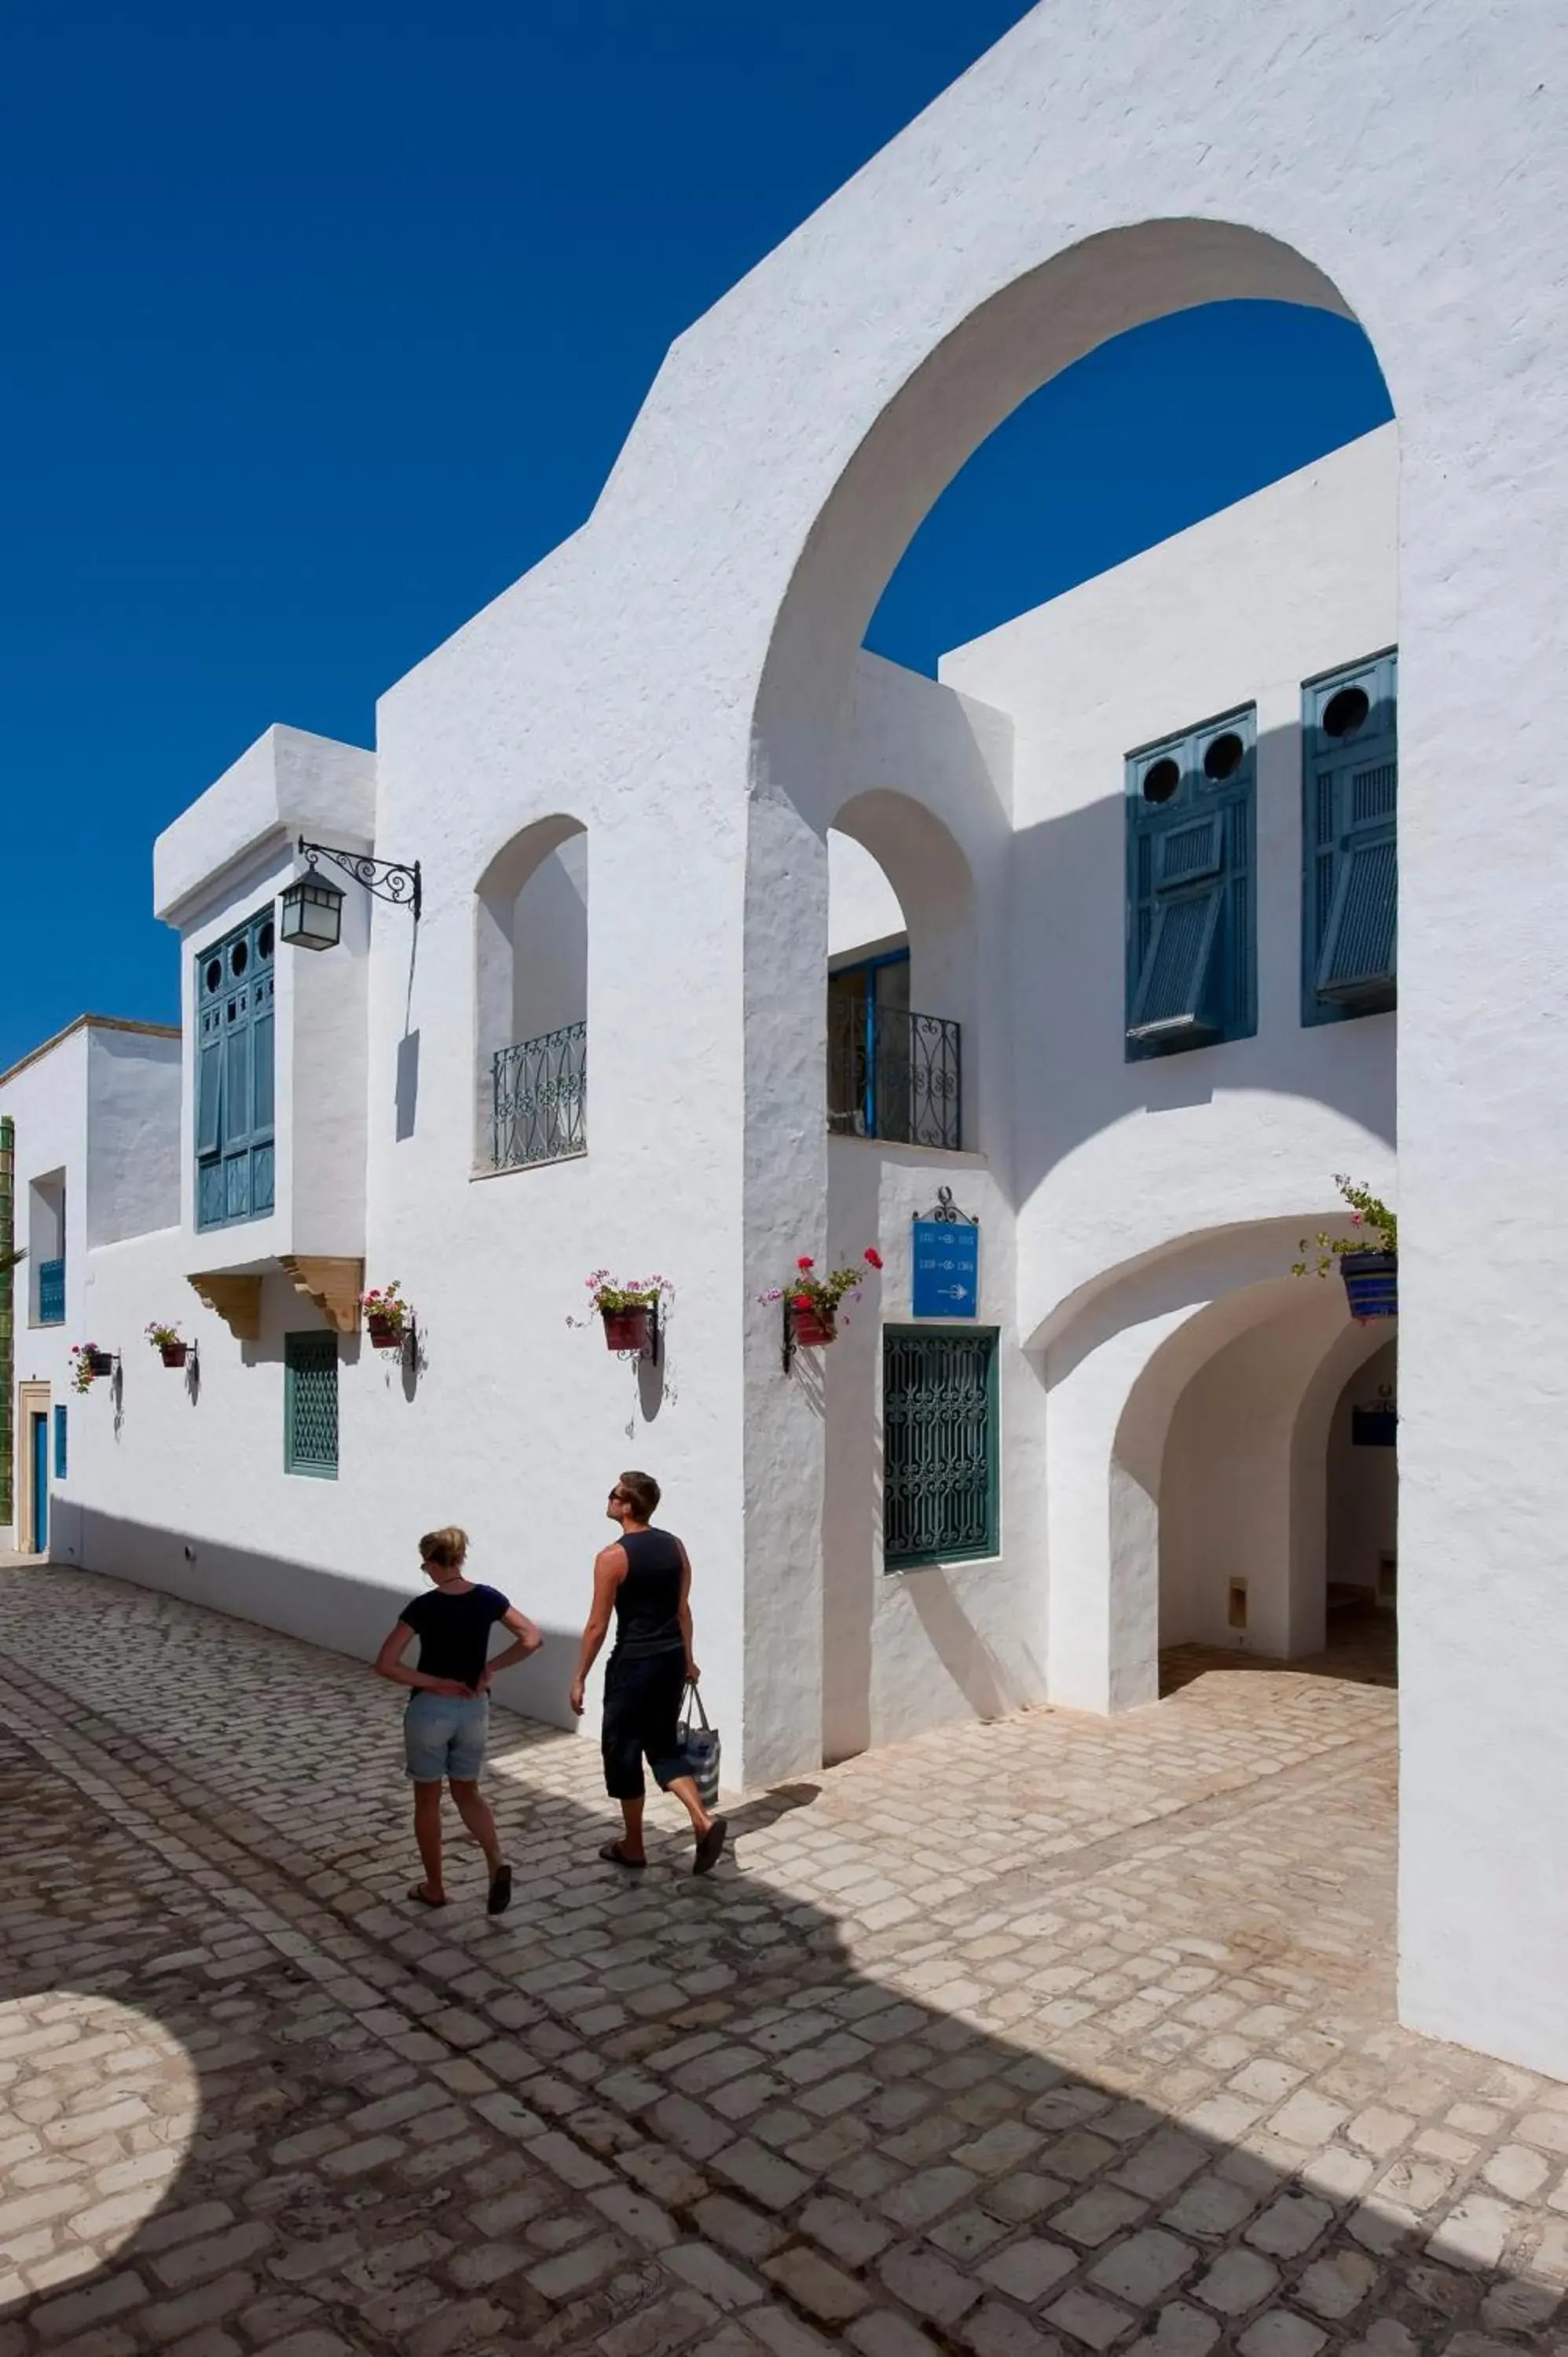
pixel 532 999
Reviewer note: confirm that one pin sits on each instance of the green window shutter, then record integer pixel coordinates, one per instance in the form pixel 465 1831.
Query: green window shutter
pixel 310 1404
pixel 234 992
pixel 62 1446
pixel 1349 801
pixel 1191 958
pixel 941 1446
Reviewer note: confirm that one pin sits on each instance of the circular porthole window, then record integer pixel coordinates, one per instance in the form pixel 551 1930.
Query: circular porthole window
pixel 264 939
pixel 1223 758
pixel 1161 781
pixel 1345 713
pixel 239 958
pixel 214 974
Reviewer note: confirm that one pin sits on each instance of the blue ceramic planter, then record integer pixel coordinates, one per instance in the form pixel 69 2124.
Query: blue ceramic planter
pixel 1371 1284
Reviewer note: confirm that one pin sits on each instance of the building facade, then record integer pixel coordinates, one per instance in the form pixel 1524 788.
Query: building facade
pixel 736 943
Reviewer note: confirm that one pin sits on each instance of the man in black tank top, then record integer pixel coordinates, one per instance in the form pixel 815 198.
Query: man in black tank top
pixel 644 1581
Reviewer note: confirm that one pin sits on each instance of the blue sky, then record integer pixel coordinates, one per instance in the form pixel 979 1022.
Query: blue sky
pixel 324 321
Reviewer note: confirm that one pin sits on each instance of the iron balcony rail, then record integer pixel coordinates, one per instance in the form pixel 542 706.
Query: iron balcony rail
pixel 541 1098
pixel 51 1293
pixel 893 1074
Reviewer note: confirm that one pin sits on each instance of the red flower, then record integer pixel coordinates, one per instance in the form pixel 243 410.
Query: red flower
pixel 873 1255
pixel 805 1260
pixel 803 1301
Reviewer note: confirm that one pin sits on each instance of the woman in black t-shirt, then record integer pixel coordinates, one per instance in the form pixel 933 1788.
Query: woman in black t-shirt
pixel 448 1711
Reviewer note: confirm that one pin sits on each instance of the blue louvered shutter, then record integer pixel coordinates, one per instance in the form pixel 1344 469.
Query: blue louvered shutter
pixel 234 1076
pixel 1189 918
pixel 1351 891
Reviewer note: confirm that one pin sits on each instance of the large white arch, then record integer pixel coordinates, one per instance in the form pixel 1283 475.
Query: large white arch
pixel 691 649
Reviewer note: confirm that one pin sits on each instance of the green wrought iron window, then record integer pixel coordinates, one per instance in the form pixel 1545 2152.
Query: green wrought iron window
pixel 940 1444
pixel 310 1404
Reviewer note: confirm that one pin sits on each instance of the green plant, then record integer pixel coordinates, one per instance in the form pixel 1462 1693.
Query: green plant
pixel 824 1294
pixel 1377 1232
pixel 164 1338
pixel 611 1294
pixel 83 1374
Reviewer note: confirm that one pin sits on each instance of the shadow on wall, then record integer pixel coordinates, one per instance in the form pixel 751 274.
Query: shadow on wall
pixel 297 1599
pixel 360 2138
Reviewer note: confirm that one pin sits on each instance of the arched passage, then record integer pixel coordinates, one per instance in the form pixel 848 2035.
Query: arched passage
pixel 531 998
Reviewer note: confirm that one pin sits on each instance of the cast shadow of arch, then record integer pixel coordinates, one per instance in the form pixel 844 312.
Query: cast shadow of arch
pixel 725 2063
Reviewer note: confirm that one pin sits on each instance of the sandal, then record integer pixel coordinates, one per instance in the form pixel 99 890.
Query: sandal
pixel 613 1851
pixel 710 1849
pixel 499 1898
pixel 419 1892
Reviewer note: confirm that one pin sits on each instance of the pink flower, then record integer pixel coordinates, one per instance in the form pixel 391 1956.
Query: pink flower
pixel 874 1256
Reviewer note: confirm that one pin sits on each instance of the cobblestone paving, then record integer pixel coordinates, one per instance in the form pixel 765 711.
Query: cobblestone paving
pixel 1053 2036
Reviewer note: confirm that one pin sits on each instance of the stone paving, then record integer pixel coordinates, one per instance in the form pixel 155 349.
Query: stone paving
pixel 1027 2040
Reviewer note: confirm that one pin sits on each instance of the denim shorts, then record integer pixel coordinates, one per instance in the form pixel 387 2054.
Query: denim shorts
pixel 443 1734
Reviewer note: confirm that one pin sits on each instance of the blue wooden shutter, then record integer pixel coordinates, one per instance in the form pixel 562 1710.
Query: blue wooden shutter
pixel 1191 960
pixel 939 1445
pixel 60 1442
pixel 1350 886
pixel 234 1076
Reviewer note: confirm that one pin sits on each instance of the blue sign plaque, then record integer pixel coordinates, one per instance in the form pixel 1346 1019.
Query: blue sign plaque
pixel 945 1258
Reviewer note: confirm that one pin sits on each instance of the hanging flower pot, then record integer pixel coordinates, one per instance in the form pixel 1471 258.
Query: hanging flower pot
pixel 629 1309
pixel 387 1317
pixel 1368 1261
pixel 169 1343
pixel 814 1329
pixel 629 1329
pixel 173 1354
pixel 1371 1284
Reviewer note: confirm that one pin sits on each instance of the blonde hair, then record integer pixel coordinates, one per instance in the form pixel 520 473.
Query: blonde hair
pixel 445 1548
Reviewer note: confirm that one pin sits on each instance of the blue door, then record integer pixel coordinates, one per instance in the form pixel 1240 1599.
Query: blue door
pixel 40 1484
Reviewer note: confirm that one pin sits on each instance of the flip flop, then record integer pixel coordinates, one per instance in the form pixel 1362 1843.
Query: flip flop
pixel 613 1851
pixel 710 1849
pixel 499 1898
pixel 424 1897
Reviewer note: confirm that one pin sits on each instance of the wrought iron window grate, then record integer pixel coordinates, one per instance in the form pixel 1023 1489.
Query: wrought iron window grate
pixel 310 1404
pixel 541 1099
pixel 51 1293
pixel 940 1447
pixel 893 1074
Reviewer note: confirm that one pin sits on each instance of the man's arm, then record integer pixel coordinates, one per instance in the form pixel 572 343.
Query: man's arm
pixel 529 1641
pixel 684 1614
pixel 389 1663
pixel 609 1570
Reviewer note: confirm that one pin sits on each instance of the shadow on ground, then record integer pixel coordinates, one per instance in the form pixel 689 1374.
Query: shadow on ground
pixel 637 2116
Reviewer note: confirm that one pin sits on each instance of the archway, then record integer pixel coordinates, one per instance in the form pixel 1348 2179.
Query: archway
pixel 530 999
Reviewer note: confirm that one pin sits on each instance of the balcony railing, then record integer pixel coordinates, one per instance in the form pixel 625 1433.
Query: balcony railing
pixel 541 1099
pixel 51 1293
pixel 893 1074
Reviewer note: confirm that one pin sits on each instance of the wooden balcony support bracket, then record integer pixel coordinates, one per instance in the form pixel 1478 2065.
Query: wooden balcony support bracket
pixel 334 1285
pixel 236 1299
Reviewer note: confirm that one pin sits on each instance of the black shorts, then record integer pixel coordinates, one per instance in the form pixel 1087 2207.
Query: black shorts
pixel 642 1708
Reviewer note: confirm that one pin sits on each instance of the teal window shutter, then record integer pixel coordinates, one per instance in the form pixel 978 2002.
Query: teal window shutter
pixel 1191 959
pixel 59 1441
pixel 310 1404
pixel 235 988
pixel 941 1448
pixel 1350 858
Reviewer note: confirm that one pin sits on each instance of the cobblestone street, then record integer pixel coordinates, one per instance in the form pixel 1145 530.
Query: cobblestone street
pixel 1050 2036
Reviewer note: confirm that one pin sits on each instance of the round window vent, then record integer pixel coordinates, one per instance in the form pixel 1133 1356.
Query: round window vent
pixel 1345 713
pixel 1223 758
pixel 264 939
pixel 1161 781
pixel 214 974
pixel 239 958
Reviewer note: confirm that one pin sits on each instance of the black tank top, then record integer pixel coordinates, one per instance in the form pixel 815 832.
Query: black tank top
pixel 647 1601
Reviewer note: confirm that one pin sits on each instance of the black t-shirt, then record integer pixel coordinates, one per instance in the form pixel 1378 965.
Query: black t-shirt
pixel 454 1631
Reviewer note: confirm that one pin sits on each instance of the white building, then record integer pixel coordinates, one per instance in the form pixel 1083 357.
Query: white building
pixel 1139 857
